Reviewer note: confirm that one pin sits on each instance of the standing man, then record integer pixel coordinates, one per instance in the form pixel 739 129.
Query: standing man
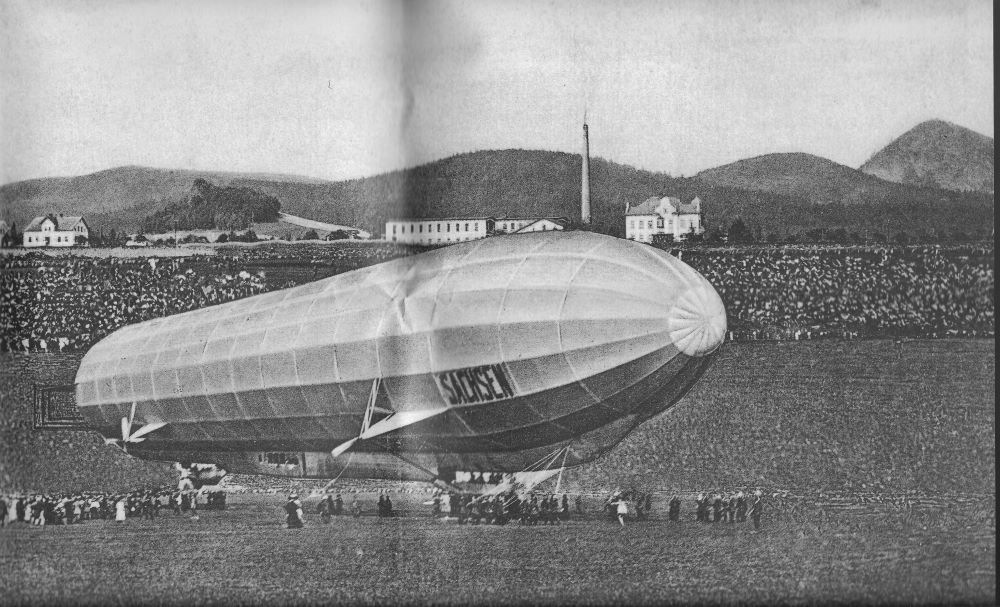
pixel 756 508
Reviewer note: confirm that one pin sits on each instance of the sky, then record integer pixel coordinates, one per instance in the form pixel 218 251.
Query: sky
pixel 344 89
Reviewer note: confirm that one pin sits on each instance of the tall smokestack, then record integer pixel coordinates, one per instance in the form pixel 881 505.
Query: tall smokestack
pixel 585 175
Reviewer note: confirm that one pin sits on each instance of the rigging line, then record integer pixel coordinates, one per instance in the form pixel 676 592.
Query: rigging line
pixel 542 462
pixel 562 467
pixel 342 470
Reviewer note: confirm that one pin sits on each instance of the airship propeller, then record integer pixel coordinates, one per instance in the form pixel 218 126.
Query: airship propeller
pixel 129 437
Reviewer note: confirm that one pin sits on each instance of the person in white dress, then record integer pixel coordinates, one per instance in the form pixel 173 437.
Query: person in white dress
pixel 622 510
pixel 120 510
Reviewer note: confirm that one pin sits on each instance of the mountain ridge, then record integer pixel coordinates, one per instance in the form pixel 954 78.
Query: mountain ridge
pixel 937 153
pixel 780 193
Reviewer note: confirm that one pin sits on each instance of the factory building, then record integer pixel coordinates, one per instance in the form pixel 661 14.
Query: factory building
pixel 442 230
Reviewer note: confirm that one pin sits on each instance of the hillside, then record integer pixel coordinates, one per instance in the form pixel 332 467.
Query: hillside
pixel 938 154
pixel 776 193
pixel 115 198
pixel 801 175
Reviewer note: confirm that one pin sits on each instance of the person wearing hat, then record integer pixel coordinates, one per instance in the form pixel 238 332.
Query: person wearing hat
pixel 293 512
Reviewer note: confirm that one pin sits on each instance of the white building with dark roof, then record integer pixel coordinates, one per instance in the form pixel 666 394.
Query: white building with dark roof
pixel 667 215
pixel 56 231
pixel 443 230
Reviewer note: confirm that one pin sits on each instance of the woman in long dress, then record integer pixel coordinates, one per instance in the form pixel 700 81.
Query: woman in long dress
pixel 120 510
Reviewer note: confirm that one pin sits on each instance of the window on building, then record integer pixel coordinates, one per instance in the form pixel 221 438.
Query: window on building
pixel 447 227
pixel 393 228
pixel 466 227
pixel 659 222
pixel 439 229
pixel 421 228
pixel 650 224
pixel 476 226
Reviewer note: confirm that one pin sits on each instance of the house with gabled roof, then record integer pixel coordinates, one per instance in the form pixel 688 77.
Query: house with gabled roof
pixel 56 231
pixel 544 224
pixel 667 215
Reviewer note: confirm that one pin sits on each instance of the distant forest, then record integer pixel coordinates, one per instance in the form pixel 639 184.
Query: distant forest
pixel 209 207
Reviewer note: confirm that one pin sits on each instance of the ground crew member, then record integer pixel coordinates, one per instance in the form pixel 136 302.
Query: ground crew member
pixel 293 512
pixel 325 508
pixel 741 508
pixel 756 508
pixel 674 513
pixel 622 510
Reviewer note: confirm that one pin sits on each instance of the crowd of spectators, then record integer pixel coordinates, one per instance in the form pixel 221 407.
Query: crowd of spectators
pixel 69 302
pixel 805 292
pixel 50 304
pixel 347 254
pixel 68 509
pixel 64 303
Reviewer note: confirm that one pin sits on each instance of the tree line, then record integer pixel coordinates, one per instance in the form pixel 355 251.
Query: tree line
pixel 212 207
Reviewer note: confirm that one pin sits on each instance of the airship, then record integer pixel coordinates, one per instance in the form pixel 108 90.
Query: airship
pixel 504 354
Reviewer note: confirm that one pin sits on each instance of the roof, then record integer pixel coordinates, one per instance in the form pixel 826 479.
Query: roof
pixel 467 218
pixel 559 221
pixel 62 222
pixel 532 219
pixel 650 205
pixel 646 207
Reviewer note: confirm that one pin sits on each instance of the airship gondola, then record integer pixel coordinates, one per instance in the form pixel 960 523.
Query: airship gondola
pixel 487 355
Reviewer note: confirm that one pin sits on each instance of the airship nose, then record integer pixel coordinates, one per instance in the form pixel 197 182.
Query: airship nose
pixel 697 322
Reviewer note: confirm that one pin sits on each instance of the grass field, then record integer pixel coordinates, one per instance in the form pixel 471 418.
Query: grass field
pixel 243 555
pixel 883 459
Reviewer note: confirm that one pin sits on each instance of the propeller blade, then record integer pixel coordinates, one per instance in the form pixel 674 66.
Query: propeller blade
pixel 343 447
pixel 146 430
pixel 126 428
